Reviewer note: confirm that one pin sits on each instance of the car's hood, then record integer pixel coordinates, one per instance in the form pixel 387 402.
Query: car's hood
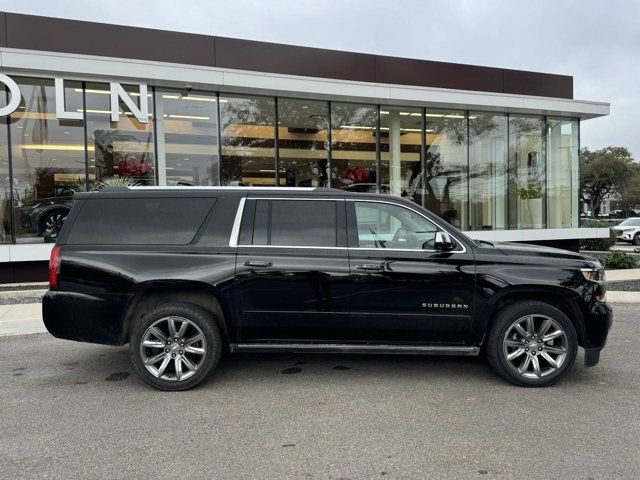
pixel 526 249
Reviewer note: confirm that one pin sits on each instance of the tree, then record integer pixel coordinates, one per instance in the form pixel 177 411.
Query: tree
pixel 630 191
pixel 603 172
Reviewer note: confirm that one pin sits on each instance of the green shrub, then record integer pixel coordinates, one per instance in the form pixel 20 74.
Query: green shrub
pixel 618 259
pixel 598 244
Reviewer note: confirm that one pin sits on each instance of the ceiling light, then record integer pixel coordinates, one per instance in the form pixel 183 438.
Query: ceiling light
pixel 455 116
pixel 410 130
pixel 435 115
pixel 384 112
pixel 356 127
pixel 57 147
pixel 189 117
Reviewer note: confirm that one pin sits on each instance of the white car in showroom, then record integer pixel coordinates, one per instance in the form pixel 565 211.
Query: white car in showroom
pixel 628 230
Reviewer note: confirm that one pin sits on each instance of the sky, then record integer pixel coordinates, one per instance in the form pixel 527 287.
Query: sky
pixel 596 42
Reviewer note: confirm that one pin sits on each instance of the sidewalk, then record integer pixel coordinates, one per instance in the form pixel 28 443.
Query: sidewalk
pixel 21 319
pixel 622 275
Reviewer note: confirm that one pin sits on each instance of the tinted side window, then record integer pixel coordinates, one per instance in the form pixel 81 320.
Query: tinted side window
pixel 303 223
pixel 139 221
pixel 381 225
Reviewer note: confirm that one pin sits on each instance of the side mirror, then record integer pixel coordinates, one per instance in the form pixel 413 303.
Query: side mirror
pixel 444 242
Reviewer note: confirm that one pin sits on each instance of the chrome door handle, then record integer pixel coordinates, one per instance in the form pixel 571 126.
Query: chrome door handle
pixel 257 263
pixel 369 266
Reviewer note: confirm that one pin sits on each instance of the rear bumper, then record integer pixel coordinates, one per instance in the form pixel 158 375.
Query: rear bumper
pixel 85 318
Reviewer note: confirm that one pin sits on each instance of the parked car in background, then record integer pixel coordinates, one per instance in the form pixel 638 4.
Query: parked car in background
pixel 182 274
pixel 628 230
pixel 45 216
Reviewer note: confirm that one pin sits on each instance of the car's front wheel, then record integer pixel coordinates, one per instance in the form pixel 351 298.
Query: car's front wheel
pixel 532 344
pixel 175 346
pixel 51 222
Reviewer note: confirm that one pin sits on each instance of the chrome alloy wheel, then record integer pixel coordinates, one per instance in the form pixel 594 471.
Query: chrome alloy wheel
pixel 173 348
pixel 535 346
pixel 53 223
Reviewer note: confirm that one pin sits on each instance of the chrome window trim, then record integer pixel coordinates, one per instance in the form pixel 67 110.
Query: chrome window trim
pixel 235 230
pixel 437 224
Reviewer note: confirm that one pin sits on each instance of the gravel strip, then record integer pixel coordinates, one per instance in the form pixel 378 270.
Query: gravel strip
pixel 26 286
pixel 624 286
pixel 18 300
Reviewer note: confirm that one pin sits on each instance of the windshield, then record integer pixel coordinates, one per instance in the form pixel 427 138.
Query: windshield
pixel 630 222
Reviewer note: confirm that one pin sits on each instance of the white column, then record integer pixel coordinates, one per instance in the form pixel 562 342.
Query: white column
pixel 161 174
pixel 395 168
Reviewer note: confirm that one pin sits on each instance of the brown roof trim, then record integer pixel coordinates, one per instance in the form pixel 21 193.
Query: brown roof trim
pixel 90 38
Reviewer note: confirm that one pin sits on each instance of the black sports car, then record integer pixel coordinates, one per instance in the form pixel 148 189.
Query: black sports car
pixel 45 216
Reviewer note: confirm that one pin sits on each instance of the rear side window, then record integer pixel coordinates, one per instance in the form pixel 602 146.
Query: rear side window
pixel 303 223
pixel 139 221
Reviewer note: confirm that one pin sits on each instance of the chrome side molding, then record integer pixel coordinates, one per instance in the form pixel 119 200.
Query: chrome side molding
pixel 355 348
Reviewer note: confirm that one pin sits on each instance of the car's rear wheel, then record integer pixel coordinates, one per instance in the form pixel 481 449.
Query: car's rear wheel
pixel 532 344
pixel 636 239
pixel 175 346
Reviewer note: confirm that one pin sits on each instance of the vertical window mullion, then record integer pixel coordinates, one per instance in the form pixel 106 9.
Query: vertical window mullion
pixel 10 162
pixel 277 142
pixel 423 160
pixel 378 150
pixel 329 146
pixel 86 136
pixel 545 149
pixel 219 163
pixel 155 135
pixel 468 133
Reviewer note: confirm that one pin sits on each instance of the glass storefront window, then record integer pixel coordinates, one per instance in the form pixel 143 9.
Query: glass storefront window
pixel 5 186
pixel 48 157
pixel 526 172
pixel 187 130
pixel 447 165
pixel 303 142
pixel 247 126
pixel 400 141
pixel 562 172
pixel 124 148
pixel 353 147
pixel 488 161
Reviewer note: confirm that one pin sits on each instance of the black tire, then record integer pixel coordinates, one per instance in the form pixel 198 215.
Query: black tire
pixel 497 336
pixel 205 321
pixel 636 239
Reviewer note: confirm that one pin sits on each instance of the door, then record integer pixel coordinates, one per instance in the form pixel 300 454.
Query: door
pixel 402 288
pixel 292 270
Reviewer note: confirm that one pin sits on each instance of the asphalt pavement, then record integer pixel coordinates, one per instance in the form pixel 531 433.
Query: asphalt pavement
pixel 71 410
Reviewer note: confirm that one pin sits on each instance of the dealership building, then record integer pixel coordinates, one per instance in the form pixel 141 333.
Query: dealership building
pixel 491 150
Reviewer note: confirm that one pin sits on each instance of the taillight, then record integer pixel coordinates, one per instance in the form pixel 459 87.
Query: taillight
pixel 54 267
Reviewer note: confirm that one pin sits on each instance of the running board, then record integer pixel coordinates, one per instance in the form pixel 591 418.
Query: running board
pixel 355 348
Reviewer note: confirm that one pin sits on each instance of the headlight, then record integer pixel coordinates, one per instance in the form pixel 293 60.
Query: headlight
pixel 593 274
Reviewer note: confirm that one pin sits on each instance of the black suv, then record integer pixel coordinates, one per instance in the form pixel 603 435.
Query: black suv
pixel 183 273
